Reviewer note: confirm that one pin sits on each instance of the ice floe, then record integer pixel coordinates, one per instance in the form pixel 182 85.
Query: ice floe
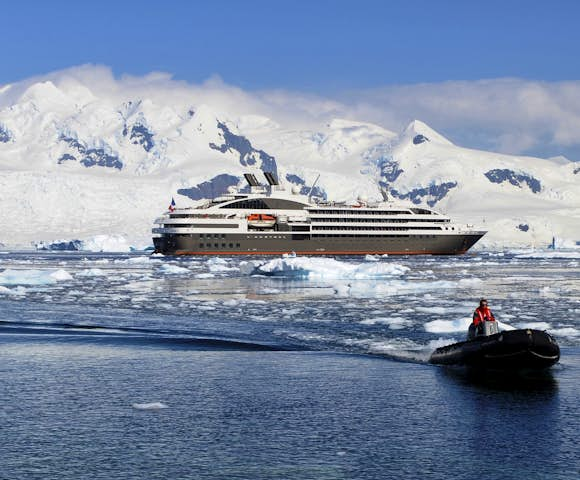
pixel 149 406
pixel 394 323
pixel 17 291
pixel 547 254
pixel 33 277
pixel 174 269
pixel 322 268
pixel 91 272
pixel 457 325
pixel 218 265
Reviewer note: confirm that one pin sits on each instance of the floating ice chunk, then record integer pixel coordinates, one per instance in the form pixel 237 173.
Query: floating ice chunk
pixel 372 258
pixel 149 406
pixel 33 277
pixel 91 272
pixel 448 326
pixel 218 264
pixel 173 269
pixel 269 291
pixel 139 260
pixel 470 282
pixel 75 292
pixel 390 288
pixel 565 332
pixel 61 275
pixel 217 261
pixel 322 268
pixel 534 325
pixel 543 254
pixel 18 291
pixel 394 323
pixel 433 310
pixel 205 275
pixel 457 325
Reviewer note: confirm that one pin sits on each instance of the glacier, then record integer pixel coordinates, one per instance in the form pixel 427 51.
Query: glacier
pixel 98 165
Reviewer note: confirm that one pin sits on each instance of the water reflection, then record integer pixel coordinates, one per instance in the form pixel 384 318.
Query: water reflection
pixel 531 382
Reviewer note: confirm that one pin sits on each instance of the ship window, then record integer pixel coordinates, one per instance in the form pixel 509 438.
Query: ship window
pixel 223 245
pixel 208 245
pixel 237 244
pixel 201 245
pixel 231 245
pixel 254 204
pixel 223 235
pixel 216 245
pixel 201 235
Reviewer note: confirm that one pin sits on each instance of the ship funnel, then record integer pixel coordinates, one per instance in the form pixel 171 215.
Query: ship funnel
pixel 271 178
pixel 251 179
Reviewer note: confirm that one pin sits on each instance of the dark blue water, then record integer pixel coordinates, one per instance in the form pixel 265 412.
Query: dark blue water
pixel 275 379
pixel 67 413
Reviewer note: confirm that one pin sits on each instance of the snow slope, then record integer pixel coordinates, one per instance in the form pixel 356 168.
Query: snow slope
pixel 78 161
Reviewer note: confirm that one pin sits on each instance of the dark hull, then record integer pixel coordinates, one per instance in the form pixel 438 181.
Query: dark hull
pixel 510 350
pixel 278 243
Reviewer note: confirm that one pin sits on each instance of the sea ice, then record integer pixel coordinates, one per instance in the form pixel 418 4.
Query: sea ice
pixel 322 268
pixel 91 272
pixel 534 325
pixel 149 406
pixel 173 269
pixel 457 325
pixel 33 277
pixel 394 323
pixel 448 326
pixel 218 265
pixel 18 291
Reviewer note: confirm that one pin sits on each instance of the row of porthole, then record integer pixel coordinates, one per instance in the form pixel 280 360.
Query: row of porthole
pixel 266 236
pixel 217 245
pixel 215 235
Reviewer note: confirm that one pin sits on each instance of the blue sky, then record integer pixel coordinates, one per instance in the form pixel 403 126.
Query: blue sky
pixel 317 46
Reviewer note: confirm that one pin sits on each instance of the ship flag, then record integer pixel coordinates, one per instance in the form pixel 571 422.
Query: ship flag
pixel 172 205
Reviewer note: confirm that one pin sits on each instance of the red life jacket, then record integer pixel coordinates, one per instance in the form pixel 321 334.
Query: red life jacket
pixel 482 314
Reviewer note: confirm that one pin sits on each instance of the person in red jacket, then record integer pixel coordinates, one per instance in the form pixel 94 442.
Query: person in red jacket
pixel 481 314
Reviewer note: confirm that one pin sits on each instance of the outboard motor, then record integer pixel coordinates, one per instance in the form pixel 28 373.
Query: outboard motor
pixel 488 328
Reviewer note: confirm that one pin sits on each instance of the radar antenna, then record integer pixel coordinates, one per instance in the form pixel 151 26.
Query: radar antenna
pixel 384 192
pixel 311 191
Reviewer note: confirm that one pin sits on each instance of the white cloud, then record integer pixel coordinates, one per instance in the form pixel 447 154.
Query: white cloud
pixel 514 115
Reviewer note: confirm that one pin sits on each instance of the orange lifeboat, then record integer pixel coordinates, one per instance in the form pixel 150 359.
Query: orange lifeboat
pixel 261 220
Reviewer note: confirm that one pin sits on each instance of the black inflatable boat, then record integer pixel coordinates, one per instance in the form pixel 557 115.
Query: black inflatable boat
pixel 508 350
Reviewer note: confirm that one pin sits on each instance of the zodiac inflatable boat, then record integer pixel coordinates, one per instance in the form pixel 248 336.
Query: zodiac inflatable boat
pixel 525 349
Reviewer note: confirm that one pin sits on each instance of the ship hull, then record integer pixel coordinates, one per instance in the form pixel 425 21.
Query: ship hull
pixel 278 243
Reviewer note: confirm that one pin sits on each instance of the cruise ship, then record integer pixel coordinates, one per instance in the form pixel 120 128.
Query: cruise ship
pixel 271 220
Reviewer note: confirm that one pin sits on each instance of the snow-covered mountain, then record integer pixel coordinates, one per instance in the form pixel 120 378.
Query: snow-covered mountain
pixel 76 162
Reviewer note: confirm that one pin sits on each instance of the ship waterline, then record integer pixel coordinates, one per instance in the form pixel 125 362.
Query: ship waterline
pixel 271 221
pixel 239 244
